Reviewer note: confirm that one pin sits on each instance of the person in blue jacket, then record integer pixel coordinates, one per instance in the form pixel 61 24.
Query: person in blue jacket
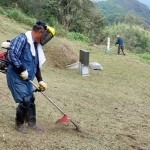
pixel 120 44
pixel 27 57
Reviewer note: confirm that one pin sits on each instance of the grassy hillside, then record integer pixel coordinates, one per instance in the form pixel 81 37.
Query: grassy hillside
pixel 110 106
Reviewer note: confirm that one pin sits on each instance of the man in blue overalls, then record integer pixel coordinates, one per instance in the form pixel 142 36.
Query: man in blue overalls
pixel 27 57
pixel 120 44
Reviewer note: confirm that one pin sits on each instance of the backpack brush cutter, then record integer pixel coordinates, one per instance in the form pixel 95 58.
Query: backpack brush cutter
pixel 64 118
pixel 3 57
pixel 3 64
pixel 3 68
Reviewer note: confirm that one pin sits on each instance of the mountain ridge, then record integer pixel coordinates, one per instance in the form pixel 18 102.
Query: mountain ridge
pixel 112 9
pixel 145 2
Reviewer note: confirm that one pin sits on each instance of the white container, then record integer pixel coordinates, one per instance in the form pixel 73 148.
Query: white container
pixel 5 45
pixel 84 70
pixel 96 66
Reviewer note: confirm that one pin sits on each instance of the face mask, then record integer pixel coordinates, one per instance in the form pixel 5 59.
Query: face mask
pixel 47 35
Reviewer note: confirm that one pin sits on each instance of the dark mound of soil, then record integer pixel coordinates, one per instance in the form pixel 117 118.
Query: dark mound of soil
pixel 62 55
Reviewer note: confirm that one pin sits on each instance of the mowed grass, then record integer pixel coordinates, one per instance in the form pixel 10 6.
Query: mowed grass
pixel 110 106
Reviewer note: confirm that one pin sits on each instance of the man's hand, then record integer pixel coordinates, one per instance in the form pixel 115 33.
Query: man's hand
pixel 24 75
pixel 42 85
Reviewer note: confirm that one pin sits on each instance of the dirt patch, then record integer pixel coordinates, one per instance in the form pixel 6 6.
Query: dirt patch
pixel 62 55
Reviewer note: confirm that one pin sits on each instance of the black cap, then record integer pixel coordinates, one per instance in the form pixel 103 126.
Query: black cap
pixel 40 24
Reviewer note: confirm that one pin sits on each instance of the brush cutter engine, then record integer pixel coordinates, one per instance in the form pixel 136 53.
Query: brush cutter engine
pixel 3 57
pixel 3 62
pixel 3 67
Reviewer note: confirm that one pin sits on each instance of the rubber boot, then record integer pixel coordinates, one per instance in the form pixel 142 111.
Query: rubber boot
pixel 123 50
pixel 32 118
pixel 20 117
pixel 118 50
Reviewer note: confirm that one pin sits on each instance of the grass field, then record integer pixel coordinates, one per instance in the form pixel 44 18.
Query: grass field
pixel 112 107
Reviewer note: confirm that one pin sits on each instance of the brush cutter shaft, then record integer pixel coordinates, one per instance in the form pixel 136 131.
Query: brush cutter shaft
pixel 53 103
pixel 77 128
pixel 47 97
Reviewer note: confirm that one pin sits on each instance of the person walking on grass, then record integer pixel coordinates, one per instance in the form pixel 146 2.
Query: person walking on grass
pixel 120 45
pixel 27 57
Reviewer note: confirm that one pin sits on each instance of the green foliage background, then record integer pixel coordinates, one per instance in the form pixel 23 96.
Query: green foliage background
pixel 67 15
pixel 135 37
pixel 86 21
pixel 130 19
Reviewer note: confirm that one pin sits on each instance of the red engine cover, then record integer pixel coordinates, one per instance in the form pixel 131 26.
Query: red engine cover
pixel 3 55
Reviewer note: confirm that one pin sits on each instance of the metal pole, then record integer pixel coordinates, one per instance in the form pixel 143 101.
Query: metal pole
pixel 47 98
pixel 77 128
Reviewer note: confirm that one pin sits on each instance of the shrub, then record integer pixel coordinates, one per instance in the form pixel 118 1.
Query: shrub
pixel 18 15
pixel 78 36
pixel 136 38
pixel 145 56
pixel 2 11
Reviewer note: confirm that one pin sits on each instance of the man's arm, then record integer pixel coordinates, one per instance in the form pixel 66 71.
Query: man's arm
pixel 117 42
pixel 38 74
pixel 42 84
pixel 15 50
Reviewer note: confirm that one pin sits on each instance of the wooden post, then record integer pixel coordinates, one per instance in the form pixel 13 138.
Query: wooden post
pixel 108 44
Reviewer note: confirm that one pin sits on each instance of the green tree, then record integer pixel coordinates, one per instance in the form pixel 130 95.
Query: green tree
pixel 74 15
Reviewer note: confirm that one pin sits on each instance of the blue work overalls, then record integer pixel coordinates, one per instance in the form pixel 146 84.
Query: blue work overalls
pixel 19 88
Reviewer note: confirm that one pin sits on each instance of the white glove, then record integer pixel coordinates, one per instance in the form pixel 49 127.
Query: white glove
pixel 24 75
pixel 42 85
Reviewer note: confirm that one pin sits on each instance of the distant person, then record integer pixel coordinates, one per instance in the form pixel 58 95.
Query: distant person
pixel 120 44
pixel 27 56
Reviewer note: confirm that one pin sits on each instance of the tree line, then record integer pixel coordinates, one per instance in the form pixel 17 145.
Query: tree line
pixel 74 15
